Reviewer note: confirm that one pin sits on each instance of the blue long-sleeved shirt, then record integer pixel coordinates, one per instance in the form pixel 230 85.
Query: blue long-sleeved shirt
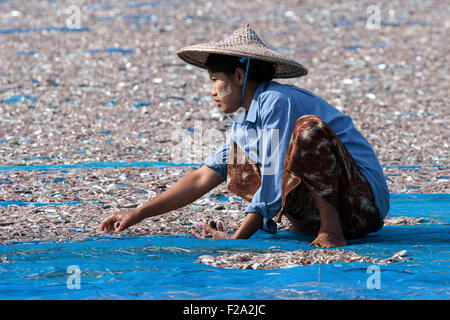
pixel 271 119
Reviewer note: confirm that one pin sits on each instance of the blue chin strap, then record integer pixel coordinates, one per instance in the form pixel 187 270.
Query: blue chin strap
pixel 245 81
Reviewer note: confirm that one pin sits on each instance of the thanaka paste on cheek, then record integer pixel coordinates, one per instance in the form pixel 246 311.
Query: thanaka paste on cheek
pixel 224 92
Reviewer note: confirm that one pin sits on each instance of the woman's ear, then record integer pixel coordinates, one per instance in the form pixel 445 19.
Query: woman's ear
pixel 239 76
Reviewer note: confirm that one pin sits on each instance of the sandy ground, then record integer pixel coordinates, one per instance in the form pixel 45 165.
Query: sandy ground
pixel 114 90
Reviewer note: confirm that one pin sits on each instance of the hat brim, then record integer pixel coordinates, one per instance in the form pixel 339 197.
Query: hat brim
pixel 285 67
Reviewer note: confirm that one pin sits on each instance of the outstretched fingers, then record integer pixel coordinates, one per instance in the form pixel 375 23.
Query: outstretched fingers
pixel 113 224
pixel 119 226
pixel 198 235
pixel 108 224
pixel 210 232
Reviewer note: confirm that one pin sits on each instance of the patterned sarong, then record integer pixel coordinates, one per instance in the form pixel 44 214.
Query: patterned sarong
pixel 316 159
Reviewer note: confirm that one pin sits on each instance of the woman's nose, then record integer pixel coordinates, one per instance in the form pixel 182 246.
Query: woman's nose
pixel 213 91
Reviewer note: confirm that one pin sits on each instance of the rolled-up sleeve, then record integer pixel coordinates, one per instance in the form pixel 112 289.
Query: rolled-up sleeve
pixel 267 209
pixel 274 137
pixel 218 160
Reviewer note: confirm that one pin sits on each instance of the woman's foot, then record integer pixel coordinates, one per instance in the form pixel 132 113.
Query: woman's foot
pixel 330 233
pixel 326 239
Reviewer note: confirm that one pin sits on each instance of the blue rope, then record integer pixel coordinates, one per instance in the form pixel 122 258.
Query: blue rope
pixel 245 81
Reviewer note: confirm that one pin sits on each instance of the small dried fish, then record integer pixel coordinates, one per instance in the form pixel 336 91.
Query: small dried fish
pixel 44 122
pixel 290 259
pixel 392 221
pixel 4 260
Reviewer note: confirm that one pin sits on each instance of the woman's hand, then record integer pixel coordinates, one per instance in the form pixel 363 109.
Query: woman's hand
pixel 119 221
pixel 208 230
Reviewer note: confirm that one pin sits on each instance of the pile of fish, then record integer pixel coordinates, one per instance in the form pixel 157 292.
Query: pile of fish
pixel 290 259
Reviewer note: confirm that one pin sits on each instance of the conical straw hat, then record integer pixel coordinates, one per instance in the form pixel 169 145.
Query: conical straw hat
pixel 243 42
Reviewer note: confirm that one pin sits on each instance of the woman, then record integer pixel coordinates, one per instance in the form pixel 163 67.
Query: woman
pixel 291 153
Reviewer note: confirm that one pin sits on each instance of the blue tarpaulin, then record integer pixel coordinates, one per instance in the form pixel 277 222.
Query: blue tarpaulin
pixel 162 267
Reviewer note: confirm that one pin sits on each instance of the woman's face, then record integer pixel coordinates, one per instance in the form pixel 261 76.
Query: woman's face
pixel 226 91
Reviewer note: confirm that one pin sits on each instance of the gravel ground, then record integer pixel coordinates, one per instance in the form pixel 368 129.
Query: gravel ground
pixel 113 90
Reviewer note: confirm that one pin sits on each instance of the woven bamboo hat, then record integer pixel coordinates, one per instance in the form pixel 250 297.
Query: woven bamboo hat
pixel 243 42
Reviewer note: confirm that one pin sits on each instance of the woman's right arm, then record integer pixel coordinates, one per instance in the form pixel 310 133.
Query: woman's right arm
pixel 185 191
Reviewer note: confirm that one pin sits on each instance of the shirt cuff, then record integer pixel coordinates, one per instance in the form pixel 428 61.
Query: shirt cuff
pixel 268 224
pixel 209 162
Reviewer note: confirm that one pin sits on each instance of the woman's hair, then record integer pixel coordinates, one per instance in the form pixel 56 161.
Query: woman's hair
pixel 259 71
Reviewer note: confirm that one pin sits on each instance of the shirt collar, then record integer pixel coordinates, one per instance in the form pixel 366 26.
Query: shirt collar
pixel 250 115
pixel 238 118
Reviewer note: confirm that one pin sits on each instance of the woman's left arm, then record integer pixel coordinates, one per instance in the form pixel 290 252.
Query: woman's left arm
pixel 252 222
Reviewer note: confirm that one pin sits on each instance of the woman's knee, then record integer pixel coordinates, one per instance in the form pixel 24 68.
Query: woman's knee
pixel 307 127
pixel 310 121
